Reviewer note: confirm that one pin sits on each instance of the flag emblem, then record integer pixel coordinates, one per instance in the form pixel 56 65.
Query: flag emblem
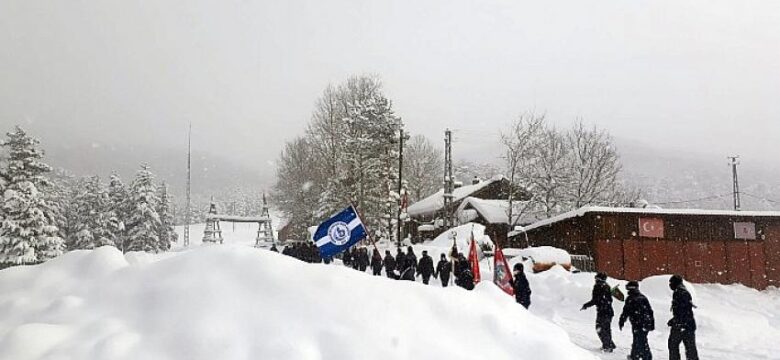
pixel 339 232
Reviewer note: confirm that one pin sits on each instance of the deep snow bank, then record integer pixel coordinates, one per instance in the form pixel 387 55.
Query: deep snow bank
pixel 235 302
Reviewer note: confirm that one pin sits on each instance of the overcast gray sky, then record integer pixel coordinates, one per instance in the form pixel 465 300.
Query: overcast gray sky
pixel 697 75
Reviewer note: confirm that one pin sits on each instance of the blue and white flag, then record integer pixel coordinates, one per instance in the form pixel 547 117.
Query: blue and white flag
pixel 339 233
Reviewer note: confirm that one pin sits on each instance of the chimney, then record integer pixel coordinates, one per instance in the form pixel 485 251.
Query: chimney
pixel 476 180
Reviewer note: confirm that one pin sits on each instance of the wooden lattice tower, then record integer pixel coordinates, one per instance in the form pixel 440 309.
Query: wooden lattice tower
pixel 212 233
pixel 265 231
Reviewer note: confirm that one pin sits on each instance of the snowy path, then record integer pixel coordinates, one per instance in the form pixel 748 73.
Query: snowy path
pixel 735 322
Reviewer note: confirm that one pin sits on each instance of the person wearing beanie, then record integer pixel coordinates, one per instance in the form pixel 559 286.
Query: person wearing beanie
pixel 638 311
pixel 601 297
pixel 521 286
pixel 683 324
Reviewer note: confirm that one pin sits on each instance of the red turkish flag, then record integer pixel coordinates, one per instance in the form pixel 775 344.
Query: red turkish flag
pixel 502 277
pixel 474 260
pixel 651 227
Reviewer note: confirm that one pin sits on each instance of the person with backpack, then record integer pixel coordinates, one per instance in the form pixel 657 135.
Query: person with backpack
pixel 639 312
pixel 601 298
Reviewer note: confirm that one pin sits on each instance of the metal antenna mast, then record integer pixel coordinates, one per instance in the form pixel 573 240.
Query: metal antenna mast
pixel 189 189
pixel 448 179
pixel 734 164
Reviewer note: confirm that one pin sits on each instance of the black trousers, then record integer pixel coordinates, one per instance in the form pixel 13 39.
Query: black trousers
pixel 445 280
pixel 640 348
pixel 688 338
pixel 426 279
pixel 604 331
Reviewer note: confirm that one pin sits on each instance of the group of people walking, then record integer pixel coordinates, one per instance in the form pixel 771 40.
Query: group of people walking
pixel 639 313
pixel 406 266
pixel 302 251
pixel 636 310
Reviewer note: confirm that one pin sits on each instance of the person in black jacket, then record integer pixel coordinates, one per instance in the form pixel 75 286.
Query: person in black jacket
pixel 443 270
pixel 410 265
pixel 389 264
pixel 274 249
pixel 637 309
pixel 399 262
pixel 602 298
pixel 683 325
pixel 376 263
pixel 364 261
pixel 463 275
pixel 347 258
pixel 425 267
pixel 521 286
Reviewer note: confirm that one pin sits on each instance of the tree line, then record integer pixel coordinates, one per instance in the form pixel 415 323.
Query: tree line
pixel 563 169
pixel 45 213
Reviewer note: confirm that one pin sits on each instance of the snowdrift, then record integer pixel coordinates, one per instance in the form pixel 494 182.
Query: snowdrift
pixel 541 258
pixel 236 302
pixel 463 237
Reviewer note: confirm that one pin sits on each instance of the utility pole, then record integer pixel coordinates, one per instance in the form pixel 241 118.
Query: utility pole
pixel 187 209
pixel 401 137
pixel 734 163
pixel 448 179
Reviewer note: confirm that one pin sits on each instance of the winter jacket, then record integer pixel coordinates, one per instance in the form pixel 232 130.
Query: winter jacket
pixel 425 267
pixel 682 309
pixel 637 309
pixel 389 263
pixel 376 262
pixel 443 269
pixel 522 289
pixel 410 262
pixel 399 261
pixel 463 275
pixel 602 299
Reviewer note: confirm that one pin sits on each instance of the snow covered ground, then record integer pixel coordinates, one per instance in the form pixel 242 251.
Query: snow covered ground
pixel 232 301
pixel 238 302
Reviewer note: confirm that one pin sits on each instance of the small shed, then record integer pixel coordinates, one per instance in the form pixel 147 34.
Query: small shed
pixel 704 246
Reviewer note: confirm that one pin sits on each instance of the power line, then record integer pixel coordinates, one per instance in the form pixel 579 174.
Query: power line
pixel 761 198
pixel 713 197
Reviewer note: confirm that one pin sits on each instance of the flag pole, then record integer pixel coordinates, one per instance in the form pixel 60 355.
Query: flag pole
pixel 368 233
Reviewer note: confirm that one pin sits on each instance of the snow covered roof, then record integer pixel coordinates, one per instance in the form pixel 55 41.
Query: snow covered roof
pixel 497 211
pixel 435 202
pixel 650 211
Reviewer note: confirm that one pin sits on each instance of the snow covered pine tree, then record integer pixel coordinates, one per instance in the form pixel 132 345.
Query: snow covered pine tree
pixel 27 234
pixel 97 225
pixel 143 221
pixel 119 202
pixel 165 233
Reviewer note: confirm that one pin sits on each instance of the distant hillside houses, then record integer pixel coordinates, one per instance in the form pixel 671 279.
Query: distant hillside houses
pixel 483 201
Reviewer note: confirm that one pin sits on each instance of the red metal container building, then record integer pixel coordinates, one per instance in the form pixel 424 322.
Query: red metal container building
pixel 704 246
